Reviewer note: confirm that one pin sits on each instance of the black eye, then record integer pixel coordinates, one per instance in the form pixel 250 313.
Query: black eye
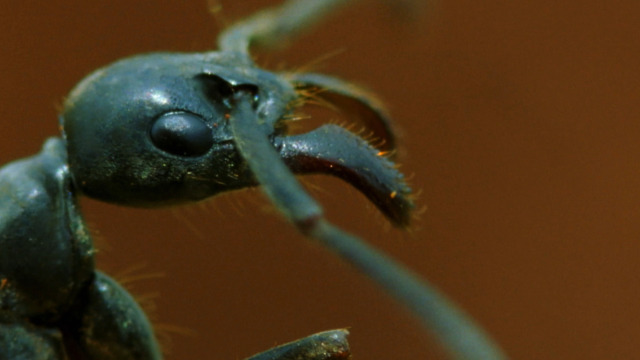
pixel 182 133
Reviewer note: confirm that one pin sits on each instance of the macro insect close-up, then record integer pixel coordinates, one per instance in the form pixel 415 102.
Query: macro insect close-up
pixel 170 128
pixel 449 90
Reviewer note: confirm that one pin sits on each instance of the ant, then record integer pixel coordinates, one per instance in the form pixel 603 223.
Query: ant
pixel 171 128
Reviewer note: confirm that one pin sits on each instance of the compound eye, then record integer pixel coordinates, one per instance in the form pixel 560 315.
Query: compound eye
pixel 182 133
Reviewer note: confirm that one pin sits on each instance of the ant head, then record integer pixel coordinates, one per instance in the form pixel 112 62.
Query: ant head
pixel 156 130
pixel 153 129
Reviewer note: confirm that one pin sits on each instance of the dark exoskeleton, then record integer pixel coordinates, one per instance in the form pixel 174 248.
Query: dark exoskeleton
pixel 171 128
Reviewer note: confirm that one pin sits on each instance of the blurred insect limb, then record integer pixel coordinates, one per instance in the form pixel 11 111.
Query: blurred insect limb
pixel 275 26
pixel 327 345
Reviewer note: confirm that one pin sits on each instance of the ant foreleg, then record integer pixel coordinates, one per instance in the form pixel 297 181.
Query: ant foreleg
pixel 21 340
pixel 327 345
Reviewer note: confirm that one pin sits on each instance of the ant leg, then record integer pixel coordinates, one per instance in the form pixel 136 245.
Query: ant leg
pixel 455 329
pixel 273 25
pixel 327 345
pixel 23 341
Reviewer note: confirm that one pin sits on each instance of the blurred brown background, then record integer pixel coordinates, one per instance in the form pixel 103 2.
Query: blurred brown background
pixel 520 128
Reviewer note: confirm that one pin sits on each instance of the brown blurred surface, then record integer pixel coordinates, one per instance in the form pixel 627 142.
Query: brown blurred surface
pixel 521 127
